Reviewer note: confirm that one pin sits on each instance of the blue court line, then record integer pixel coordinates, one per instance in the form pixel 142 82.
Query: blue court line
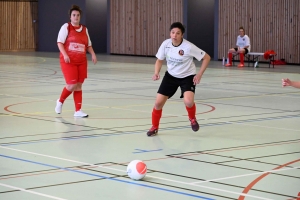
pixel 108 178
pixel 145 151
pixel 139 132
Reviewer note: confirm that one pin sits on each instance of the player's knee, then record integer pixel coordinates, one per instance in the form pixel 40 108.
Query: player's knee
pixel 189 103
pixel 78 87
pixel 71 87
pixel 158 105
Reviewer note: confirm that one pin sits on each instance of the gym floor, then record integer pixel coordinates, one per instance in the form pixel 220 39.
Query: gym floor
pixel 247 146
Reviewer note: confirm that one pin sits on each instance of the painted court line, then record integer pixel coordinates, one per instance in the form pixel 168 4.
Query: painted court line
pixel 32 192
pixel 108 178
pixel 169 180
pixel 244 175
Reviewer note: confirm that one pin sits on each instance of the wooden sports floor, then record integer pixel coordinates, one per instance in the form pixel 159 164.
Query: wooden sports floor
pixel 248 146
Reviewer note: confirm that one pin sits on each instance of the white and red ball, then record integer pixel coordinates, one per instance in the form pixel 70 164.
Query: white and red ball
pixel 137 169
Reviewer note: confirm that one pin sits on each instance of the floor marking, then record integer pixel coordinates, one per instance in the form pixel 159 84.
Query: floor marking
pixel 32 192
pixel 124 171
pixel 244 175
pixel 146 151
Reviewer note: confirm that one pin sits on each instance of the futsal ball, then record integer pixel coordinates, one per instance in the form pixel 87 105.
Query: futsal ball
pixel 137 170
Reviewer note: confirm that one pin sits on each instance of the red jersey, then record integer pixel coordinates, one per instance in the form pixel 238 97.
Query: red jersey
pixel 76 45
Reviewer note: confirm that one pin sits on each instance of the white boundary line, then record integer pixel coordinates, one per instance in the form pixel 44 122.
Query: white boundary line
pixel 169 180
pixel 32 192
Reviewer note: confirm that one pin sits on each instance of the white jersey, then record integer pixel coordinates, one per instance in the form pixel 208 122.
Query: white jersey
pixel 180 59
pixel 243 41
pixel 63 33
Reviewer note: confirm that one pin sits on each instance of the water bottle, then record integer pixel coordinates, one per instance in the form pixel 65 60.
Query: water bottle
pixel 223 61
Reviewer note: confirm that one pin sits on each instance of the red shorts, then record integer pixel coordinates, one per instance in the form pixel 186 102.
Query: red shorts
pixel 74 73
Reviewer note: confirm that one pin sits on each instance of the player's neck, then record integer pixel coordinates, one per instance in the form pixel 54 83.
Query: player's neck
pixel 176 44
pixel 75 24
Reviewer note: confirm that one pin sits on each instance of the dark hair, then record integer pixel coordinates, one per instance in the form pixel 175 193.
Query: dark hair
pixel 177 25
pixel 74 7
pixel 242 28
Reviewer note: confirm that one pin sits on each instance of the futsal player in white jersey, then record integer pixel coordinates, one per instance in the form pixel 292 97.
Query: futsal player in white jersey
pixel 242 47
pixel 181 72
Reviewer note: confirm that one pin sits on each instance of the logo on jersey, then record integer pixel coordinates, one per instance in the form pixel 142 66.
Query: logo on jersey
pixel 192 88
pixel 181 52
pixel 76 47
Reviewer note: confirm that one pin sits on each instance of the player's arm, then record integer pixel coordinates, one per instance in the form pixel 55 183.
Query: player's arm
pixel 61 39
pixel 63 52
pixel 91 51
pixel 90 48
pixel 157 68
pixel 288 82
pixel 206 60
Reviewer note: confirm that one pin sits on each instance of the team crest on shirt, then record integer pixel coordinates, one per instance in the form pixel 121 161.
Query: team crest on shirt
pixel 181 52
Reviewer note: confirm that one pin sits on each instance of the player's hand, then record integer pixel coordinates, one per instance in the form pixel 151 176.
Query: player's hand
pixel 67 59
pixel 155 77
pixel 197 79
pixel 286 82
pixel 94 59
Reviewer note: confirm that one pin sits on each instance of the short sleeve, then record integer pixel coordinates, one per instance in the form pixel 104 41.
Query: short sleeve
pixel 247 42
pixel 161 51
pixel 196 52
pixel 63 33
pixel 89 40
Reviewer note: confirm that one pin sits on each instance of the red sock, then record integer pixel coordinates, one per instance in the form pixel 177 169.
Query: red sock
pixel 156 115
pixel 230 58
pixel 242 58
pixel 191 111
pixel 77 99
pixel 64 95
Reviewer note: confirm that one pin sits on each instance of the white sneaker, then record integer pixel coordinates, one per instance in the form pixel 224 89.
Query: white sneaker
pixel 79 113
pixel 58 106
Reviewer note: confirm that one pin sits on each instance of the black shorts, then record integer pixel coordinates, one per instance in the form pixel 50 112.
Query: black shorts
pixel 170 84
pixel 246 50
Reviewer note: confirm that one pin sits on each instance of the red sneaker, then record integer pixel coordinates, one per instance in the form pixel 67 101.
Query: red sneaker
pixel 153 131
pixel 194 124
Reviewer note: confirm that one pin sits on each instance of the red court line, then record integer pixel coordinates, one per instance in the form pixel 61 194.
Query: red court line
pixel 249 187
pixel 7 108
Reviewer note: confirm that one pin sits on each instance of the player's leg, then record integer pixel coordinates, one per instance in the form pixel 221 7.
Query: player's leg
pixel 157 113
pixel 230 55
pixel 77 94
pixel 242 53
pixel 166 90
pixel 70 76
pixel 188 90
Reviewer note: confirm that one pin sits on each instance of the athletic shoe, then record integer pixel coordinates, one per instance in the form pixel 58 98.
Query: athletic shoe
pixel 79 113
pixel 228 65
pixel 241 65
pixel 153 131
pixel 194 124
pixel 58 106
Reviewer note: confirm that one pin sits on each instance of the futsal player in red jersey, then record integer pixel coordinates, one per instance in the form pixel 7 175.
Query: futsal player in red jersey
pixel 73 42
